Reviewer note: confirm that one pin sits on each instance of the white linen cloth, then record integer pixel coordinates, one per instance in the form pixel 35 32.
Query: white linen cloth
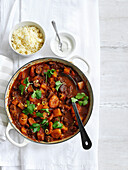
pixel 80 17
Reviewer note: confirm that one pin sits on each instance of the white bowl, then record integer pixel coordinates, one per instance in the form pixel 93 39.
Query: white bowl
pixel 67 39
pixel 22 24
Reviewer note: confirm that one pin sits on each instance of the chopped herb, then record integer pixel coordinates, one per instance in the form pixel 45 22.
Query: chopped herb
pixel 21 88
pixel 30 108
pixel 36 94
pixel 74 99
pixel 58 84
pixel 57 125
pixel 47 110
pixel 44 123
pixel 49 73
pixel 26 81
pixel 35 127
pixel 80 95
pixel 39 114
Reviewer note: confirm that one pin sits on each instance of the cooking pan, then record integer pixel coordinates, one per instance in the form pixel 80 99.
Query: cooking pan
pixel 69 63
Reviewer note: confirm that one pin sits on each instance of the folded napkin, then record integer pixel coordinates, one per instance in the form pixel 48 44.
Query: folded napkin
pixel 6 71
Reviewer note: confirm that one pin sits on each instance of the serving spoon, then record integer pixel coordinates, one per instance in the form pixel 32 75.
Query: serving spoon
pixel 57 34
pixel 86 142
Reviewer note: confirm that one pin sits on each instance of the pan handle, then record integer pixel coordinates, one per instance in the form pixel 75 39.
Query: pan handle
pixel 24 143
pixel 80 58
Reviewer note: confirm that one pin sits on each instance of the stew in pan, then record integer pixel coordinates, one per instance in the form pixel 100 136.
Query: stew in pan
pixel 40 101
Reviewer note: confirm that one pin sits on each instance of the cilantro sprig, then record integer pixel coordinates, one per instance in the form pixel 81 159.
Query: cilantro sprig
pixel 58 84
pixel 49 73
pixel 81 98
pixel 30 108
pixel 35 127
pixel 26 81
pixel 36 94
pixel 44 123
pixel 46 110
pixel 57 125
pixel 39 114
pixel 22 87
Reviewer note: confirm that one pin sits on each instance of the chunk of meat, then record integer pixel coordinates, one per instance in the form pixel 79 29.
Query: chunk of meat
pixel 31 121
pixel 23 119
pixel 40 135
pixel 54 101
pixel 56 133
pixel 57 112
pixel 81 85
pixel 22 75
pixel 63 88
pixel 32 71
pixel 48 139
pixel 38 69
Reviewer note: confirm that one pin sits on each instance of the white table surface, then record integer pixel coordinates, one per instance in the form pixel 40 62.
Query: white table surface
pixel 113 142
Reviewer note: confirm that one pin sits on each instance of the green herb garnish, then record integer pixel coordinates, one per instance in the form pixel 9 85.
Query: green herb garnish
pixel 35 127
pixel 57 125
pixel 83 99
pixel 44 123
pixel 49 73
pixel 80 95
pixel 30 108
pixel 21 88
pixel 47 110
pixel 27 83
pixel 39 114
pixel 58 84
pixel 36 94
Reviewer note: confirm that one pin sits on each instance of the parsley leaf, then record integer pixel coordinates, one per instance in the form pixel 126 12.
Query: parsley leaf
pixel 36 94
pixel 74 99
pixel 35 127
pixel 80 95
pixel 44 123
pixel 58 84
pixel 57 125
pixel 49 73
pixel 39 114
pixel 47 110
pixel 30 108
pixel 21 88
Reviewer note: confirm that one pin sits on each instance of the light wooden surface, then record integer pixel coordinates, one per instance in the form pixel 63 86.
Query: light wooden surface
pixel 113 137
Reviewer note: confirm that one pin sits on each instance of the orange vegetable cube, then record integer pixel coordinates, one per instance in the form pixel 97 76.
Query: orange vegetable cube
pixel 56 133
pixel 67 70
pixel 55 74
pixel 15 102
pixel 57 112
pixel 21 106
pixel 81 85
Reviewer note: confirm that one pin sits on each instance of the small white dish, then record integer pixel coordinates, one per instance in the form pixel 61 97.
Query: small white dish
pixel 22 24
pixel 68 44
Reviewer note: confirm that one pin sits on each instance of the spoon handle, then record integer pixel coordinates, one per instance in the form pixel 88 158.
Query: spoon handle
pixel 86 142
pixel 55 28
